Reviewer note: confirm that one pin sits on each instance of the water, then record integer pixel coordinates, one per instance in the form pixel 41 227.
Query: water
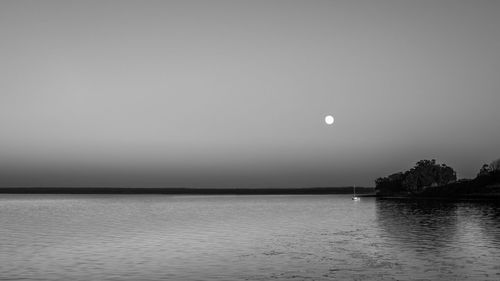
pixel 151 237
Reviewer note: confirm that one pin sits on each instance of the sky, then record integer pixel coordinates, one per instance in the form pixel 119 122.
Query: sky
pixel 234 93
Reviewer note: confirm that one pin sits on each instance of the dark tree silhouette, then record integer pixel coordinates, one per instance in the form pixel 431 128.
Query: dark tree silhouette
pixel 485 169
pixel 495 165
pixel 391 184
pixel 426 173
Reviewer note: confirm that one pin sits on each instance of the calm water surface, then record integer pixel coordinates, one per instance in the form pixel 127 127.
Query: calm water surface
pixel 151 237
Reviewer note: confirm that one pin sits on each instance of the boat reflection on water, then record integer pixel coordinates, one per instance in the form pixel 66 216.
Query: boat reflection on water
pixel 354 197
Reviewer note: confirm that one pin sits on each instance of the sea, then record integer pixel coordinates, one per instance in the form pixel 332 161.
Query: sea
pixel 239 237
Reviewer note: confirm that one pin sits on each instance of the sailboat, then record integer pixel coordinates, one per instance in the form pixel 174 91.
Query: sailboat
pixel 354 197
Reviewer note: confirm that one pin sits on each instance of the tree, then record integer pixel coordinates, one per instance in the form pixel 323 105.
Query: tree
pixel 485 169
pixel 426 173
pixel 390 184
pixel 495 165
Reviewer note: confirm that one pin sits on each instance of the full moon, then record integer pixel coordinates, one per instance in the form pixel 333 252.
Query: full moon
pixel 329 119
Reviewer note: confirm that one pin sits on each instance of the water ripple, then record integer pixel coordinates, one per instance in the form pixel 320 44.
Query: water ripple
pixel 146 237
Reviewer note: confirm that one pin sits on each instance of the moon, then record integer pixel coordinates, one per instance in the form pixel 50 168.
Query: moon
pixel 329 120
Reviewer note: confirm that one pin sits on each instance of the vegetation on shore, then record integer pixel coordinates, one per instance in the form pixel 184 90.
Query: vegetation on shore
pixel 429 179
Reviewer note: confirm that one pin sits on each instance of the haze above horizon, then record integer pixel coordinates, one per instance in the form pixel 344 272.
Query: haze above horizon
pixel 234 93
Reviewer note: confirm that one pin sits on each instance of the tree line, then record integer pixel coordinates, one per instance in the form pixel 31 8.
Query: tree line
pixel 430 178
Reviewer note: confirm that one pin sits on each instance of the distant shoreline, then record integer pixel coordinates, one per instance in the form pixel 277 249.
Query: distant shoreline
pixel 185 191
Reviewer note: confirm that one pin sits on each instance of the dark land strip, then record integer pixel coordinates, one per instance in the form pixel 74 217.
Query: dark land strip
pixel 185 191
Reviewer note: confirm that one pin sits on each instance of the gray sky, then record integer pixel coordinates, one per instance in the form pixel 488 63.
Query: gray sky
pixel 233 93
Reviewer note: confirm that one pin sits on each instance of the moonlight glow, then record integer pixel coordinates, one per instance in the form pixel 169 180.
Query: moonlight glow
pixel 329 120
